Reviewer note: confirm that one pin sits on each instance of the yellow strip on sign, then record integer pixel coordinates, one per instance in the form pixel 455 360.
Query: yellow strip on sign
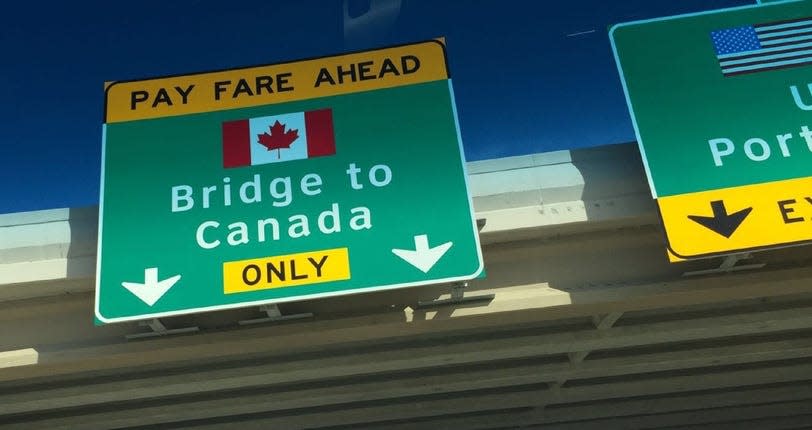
pixel 286 270
pixel 275 83
pixel 780 214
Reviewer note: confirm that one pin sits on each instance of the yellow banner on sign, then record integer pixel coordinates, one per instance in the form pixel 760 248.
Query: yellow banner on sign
pixel 286 270
pixel 276 83
pixel 738 219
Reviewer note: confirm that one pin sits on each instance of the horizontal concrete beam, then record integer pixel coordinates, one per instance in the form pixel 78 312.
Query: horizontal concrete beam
pixel 517 197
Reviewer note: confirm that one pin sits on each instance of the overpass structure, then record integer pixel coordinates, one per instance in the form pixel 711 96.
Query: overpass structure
pixel 581 323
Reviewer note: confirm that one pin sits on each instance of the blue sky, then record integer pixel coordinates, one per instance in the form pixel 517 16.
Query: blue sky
pixel 529 76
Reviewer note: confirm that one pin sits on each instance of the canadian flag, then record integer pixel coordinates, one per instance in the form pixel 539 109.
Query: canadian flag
pixel 278 138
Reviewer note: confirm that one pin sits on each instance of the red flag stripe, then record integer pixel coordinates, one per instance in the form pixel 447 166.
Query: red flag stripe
pixel 319 129
pixel 236 143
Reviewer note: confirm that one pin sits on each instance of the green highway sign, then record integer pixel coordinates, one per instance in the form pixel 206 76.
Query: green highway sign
pixel 283 182
pixel 722 106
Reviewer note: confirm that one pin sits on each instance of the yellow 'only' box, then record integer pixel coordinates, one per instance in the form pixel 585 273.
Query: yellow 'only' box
pixel 286 270
pixel 275 83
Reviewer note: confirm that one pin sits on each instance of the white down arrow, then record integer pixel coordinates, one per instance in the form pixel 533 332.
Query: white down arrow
pixel 423 257
pixel 152 289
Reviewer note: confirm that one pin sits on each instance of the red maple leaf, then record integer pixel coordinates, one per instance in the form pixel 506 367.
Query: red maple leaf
pixel 278 138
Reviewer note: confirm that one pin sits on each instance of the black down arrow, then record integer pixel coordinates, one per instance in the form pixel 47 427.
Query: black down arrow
pixel 721 222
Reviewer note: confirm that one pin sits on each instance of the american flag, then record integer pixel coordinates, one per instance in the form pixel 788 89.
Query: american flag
pixel 760 47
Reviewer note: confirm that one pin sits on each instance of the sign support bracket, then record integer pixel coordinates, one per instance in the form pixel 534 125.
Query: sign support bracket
pixel 728 265
pixel 457 297
pixel 275 315
pixel 159 329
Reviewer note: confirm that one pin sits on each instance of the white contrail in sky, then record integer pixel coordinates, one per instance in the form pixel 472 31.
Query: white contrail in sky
pixel 581 33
